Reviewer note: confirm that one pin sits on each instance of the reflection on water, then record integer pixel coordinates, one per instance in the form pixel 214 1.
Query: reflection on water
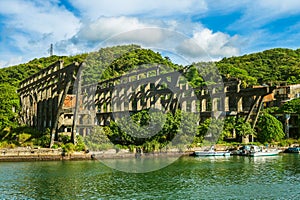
pixel 234 177
pixel 264 159
pixel 139 165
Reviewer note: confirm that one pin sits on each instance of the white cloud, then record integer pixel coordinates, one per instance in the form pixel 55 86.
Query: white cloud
pixel 258 13
pixel 42 18
pixel 93 33
pixel 206 44
pixel 106 27
pixel 93 9
pixel 117 30
pixel 33 25
pixel 153 24
pixel 169 36
pixel 278 7
pixel 224 6
pixel 254 22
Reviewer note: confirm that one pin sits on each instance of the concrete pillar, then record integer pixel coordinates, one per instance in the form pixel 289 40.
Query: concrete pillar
pixel 50 120
pixel 108 101
pixel 147 98
pixel 226 103
pixel 138 98
pixel 102 103
pixel 213 104
pixel 157 102
pixel 114 100
pixel 121 98
pixel 129 96
pixel 240 104
pixel 193 102
pixel 203 105
pixel 183 96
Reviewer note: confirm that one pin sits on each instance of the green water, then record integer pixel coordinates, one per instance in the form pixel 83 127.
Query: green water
pixel 187 178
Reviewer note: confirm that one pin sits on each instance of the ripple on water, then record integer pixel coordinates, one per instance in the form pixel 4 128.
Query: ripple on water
pixel 187 178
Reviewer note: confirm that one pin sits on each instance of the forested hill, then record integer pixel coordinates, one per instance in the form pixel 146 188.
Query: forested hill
pixel 15 74
pixel 268 67
pixel 274 65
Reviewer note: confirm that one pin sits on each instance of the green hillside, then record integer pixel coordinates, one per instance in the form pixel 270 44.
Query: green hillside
pixel 268 67
pixel 15 74
pixel 115 61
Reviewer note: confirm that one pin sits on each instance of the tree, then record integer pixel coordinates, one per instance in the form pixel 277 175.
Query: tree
pixel 269 129
pixel 292 106
pixel 244 129
pixel 9 103
pixel 187 130
pixel 211 129
pixel 229 129
pixel 98 139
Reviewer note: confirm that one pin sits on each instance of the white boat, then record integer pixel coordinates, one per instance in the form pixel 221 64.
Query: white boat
pixel 242 151
pixel 212 152
pixel 255 152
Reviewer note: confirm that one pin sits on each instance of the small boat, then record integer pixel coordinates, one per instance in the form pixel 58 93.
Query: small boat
pixel 212 152
pixel 264 153
pixel 256 151
pixel 292 150
pixel 242 151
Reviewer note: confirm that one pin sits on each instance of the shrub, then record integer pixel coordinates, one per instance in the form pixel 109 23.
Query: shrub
pixel 55 146
pixel 131 148
pixel 44 141
pixel 68 148
pixel 6 144
pixel 23 137
pixel 80 146
pixel 283 143
pixel 64 139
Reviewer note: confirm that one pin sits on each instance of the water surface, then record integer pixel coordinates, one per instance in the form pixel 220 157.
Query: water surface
pixel 275 177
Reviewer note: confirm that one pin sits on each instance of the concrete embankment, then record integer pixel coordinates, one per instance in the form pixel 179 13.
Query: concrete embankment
pixel 47 154
pixel 25 154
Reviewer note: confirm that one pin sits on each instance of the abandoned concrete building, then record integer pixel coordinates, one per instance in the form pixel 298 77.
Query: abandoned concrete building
pixel 281 95
pixel 48 101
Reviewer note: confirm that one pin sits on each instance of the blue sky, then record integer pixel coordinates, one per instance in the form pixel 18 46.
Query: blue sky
pixel 219 28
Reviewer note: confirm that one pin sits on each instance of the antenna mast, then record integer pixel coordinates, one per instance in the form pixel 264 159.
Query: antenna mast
pixel 51 49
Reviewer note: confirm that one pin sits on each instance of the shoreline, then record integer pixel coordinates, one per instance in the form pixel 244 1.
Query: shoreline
pixel 47 154
pixel 23 154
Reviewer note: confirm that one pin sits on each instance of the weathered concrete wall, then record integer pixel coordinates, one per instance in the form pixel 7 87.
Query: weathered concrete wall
pixel 24 154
